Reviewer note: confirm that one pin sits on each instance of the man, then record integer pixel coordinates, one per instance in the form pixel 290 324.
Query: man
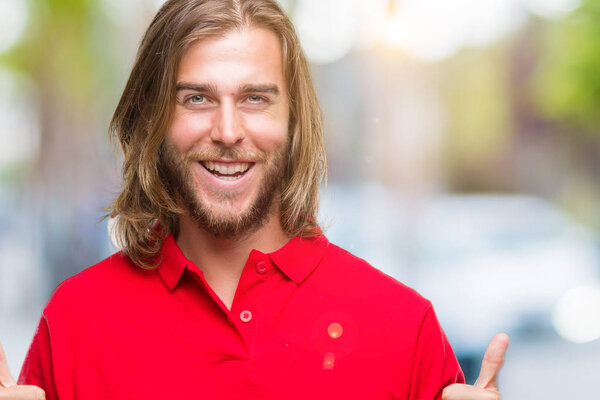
pixel 226 287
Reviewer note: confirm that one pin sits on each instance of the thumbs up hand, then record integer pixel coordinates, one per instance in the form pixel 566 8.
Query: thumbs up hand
pixel 486 386
pixel 9 390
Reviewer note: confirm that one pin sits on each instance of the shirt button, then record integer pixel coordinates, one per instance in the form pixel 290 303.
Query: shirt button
pixel 246 316
pixel 261 267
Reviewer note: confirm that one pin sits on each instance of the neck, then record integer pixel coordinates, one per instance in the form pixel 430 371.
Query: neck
pixel 215 256
pixel 222 260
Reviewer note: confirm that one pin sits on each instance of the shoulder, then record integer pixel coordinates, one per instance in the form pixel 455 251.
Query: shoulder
pixel 353 276
pixel 349 290
pixel 94 285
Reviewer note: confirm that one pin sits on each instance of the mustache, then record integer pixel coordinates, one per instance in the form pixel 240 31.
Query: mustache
pixel 225 153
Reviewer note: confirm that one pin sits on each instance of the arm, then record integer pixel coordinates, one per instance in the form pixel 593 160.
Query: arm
pixel 9 390
pixel 485 387
pixel 38 367
pixel 434 364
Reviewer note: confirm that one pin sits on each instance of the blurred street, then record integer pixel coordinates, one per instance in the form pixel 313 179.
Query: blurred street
pixel 463 143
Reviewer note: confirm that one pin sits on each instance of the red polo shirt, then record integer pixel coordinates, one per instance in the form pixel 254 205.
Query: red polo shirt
pixel 309 321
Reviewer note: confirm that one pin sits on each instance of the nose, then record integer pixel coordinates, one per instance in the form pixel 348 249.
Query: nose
pixel 227 128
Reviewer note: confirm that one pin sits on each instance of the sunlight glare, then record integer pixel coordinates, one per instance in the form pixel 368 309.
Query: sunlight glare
pixel 13 20
pixel 552 8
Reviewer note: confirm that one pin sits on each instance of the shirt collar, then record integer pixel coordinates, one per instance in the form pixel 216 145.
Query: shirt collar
pixel 172 263
pixel 300 256
pixel 296 259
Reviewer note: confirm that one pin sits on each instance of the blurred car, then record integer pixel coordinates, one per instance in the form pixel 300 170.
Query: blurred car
pixel 488 262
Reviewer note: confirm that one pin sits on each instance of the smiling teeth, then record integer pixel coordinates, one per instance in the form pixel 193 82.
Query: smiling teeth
pixel 229 169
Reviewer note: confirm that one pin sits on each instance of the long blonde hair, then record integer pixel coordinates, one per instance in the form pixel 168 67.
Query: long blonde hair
pixel 145 111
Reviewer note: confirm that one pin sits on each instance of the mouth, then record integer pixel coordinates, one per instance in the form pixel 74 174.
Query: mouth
pixel 228 171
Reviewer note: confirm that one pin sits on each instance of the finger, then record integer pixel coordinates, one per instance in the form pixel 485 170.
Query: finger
pixel 23 392
pixel 467 392
pixel 492 362
pixel 6 378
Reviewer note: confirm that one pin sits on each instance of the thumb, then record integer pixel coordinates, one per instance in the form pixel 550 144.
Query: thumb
pixel 6 378
pixel 492 362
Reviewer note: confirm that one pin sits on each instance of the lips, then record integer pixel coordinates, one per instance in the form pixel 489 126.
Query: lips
pixel 227 170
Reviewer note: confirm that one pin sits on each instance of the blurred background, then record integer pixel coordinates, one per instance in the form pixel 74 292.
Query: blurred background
pixel 464 147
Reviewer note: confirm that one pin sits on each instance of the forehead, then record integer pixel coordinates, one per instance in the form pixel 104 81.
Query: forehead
pixel 246 56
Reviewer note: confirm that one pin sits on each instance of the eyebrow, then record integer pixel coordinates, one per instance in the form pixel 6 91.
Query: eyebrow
pixel 202 87
pixel 212 88
pixel 268 88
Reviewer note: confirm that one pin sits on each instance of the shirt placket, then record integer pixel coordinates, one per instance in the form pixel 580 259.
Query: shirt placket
pixel 247 308
pixel 238 377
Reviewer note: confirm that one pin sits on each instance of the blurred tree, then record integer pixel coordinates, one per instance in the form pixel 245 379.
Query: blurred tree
pixel 567 83
pixel 64 53
pixel 566 90
pixel 479 120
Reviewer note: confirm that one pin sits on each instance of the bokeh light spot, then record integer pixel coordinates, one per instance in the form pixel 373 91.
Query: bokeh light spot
pixel 328 361
pixel 327 28
pixel 576 316
pixel 335 330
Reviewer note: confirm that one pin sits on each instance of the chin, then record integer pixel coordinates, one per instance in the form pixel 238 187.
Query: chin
pixel 227 208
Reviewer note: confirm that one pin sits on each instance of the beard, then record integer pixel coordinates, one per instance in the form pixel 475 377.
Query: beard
pixel 176 168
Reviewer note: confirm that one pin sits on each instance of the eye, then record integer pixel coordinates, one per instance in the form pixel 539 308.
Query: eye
pixel 197 99
pixel 255 99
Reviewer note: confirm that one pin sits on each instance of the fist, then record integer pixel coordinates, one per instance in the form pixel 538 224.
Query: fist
pixel 9 390
pixel 22 392
pixel 486 386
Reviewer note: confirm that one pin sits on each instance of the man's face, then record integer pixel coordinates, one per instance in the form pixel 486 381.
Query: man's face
pixel 227 146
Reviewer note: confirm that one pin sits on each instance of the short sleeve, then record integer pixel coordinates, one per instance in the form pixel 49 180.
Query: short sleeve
pixel 434 364
pixel 38 367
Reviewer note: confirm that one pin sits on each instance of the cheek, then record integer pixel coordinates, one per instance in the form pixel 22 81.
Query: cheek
pixel 267 134
pixel 186 130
